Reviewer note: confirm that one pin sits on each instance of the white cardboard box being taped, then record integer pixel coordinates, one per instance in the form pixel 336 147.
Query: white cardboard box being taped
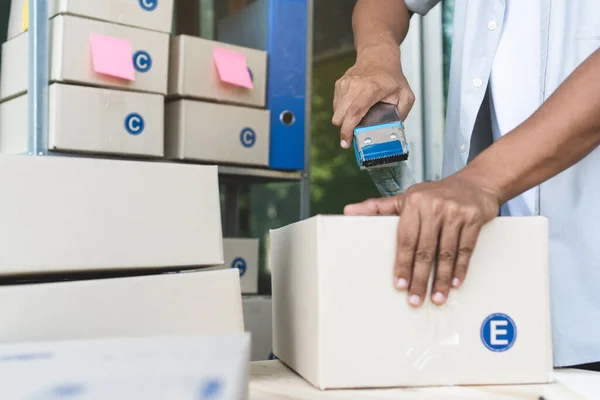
pixel 90 120
pixel 155 15
pixel 202 131
pixel 242 254
pixel 193 73
pixel 174 367
pixel 71 57
pixel 69 214
pixel 204 302
pixel 340 323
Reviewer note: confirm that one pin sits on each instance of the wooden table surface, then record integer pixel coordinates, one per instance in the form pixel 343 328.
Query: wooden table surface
pixel 272 380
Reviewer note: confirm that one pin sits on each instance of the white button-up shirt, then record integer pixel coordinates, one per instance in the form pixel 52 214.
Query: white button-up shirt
pixel 569 32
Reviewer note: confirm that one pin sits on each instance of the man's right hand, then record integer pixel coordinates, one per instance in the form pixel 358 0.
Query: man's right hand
pixel 376 76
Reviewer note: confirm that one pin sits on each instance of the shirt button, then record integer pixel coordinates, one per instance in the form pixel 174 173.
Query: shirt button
pixel 463 148
pixel 477 82
pixel 492 25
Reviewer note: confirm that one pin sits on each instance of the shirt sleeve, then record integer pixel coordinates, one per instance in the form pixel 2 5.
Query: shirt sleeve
pixel 421 7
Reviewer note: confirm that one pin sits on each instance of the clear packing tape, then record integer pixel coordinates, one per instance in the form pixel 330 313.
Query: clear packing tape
pixel 392 180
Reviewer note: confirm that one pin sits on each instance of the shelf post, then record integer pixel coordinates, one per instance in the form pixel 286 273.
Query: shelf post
pixel 37 91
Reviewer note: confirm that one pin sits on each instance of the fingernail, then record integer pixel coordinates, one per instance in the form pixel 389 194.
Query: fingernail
pixel 456 282
pixel 415 300
pixel 344 144
pixel 402 283
pixel 438 298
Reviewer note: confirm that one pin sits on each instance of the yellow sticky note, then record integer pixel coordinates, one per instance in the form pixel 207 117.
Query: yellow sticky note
pixel 26 15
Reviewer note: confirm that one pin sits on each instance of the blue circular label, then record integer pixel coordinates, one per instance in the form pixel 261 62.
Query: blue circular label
pixel 142 62
pixel 148 5
pixel 498 332
pixel 240 264
pixel 134 124
pixel 248 137
pixel 210 389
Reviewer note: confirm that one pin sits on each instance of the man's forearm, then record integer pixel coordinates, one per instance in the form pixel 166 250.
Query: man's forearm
pixel 559 134
pixel 379 22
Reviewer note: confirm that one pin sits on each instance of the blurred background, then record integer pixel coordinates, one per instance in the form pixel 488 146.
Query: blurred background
pixel 334 178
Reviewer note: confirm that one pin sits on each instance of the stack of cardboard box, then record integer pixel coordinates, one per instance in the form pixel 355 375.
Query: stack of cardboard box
pixel 108 77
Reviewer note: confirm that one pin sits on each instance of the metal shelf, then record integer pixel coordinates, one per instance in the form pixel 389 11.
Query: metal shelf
pixel 259 174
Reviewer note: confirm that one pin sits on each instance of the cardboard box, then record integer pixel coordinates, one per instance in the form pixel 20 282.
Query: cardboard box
pixel 242 254
pixel 90 120
pixel 174 367
pixel 340 322
pixel 71 57
pixel 218 133
pixel 155 15
pixel 193 73
pixel 258 320
pixel 274 378
pixel 177 303
pixel 68 214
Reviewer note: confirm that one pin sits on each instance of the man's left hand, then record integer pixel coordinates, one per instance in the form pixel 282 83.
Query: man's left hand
pixel 439 221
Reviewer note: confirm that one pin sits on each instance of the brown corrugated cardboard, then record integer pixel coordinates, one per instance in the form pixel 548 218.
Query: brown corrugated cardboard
pixel 258 320
pixel 193 73
pixel 156 15
pixel 242 254
pixel 202 131
pixel 90 120
pixel 71 57
pixel 167 304
pixel 69 214
pixel 340 322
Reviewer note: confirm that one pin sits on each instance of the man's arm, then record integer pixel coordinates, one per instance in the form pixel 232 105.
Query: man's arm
pixel 441 220
pixel 379 26
pixel 559 134
pixel 379 23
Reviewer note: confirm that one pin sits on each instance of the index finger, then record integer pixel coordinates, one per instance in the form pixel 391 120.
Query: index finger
pixel 357 110
pixel 408 237
pixel 382 206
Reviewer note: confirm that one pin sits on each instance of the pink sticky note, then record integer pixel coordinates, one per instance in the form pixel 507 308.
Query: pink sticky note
pixel 232 67
pixel 112 56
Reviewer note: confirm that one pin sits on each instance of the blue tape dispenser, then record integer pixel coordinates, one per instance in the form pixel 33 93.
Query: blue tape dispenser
pixel 379 139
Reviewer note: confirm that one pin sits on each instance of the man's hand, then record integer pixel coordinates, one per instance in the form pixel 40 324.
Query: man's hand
pixel 376 76
pixel 439 221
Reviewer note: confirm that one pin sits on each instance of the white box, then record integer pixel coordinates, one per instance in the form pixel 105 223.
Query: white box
pixel 258 320
pixel 183 303
pixel 193 73
pixel 220 133
pixel 155 15
pixel 340 323
pixel 71 57
pixel 242 254
pixel 90 120
pixel 173 367
pixel 279 382
pixel 68 214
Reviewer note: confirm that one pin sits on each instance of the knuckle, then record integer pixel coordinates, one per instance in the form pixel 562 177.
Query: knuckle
pixel 465 252
pixel 410 97
pixel 424 256
pixel 451 209
pixel 408 242
pixel 415 198
pixel 446 255
pixel 472 214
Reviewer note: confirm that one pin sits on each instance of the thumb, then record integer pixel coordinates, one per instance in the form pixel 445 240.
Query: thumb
pixel 382 206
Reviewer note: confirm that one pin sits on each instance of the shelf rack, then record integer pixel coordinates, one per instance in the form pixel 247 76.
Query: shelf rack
pixel 230 176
